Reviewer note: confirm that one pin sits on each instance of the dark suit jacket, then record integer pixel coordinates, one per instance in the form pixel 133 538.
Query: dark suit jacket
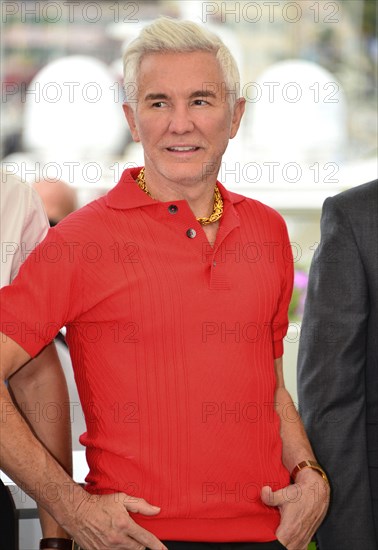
pixel 338 366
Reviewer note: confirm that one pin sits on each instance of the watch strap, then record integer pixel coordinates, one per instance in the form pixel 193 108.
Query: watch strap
pixel 309 464
pixel 57 543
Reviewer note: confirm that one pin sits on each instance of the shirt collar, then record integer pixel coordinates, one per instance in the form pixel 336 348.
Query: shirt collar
pixel 127 194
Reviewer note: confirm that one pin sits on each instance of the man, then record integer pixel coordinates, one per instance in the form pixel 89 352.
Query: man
pixel 337 365
pixel 41 382
pixel 175 294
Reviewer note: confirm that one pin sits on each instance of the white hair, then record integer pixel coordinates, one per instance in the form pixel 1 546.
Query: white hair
pixel 166 35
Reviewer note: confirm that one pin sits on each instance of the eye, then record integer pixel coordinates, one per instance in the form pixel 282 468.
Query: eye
pixel 158 104
pixel 200 102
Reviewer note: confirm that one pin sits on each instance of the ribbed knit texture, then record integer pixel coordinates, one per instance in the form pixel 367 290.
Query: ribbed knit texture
pixel 172 343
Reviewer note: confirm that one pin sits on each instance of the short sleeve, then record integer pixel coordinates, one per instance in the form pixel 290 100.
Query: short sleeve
pixel 46 294
pixel 281 319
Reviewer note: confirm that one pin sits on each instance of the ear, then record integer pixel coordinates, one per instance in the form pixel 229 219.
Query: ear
pixel 131 120
pixel 237 115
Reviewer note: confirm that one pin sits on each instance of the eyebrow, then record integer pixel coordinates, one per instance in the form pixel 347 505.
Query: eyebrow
pixel 193 95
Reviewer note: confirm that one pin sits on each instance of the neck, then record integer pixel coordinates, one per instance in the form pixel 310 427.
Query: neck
pixel 198 194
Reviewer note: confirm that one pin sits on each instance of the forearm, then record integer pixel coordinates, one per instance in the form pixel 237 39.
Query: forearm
pixel 295 444
pixel 30 465
pixel 96 522
pixel 40 391
pixel 303 505
pixel 296 447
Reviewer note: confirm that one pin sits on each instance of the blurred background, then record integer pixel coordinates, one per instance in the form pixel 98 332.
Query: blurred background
pixel 308 73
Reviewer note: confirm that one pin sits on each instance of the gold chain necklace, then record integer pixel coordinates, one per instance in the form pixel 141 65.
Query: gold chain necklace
pixel 217 207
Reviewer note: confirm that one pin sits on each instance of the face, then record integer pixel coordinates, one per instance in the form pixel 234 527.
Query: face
pixel 182 117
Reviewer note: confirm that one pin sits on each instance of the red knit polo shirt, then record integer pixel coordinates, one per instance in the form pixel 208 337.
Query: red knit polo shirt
pixel 172 342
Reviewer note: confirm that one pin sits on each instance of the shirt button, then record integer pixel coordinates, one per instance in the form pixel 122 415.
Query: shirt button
pixel 172 209
pixel 214 263
pixel 191 233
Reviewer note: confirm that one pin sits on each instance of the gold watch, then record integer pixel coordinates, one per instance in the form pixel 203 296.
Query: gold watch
pixel 309 464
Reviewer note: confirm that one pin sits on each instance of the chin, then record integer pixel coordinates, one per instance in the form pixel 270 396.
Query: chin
pixel 194 170
pixel 189 174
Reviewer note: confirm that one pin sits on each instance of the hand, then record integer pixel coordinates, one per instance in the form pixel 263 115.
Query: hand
pixel 302 505
pixel 102 522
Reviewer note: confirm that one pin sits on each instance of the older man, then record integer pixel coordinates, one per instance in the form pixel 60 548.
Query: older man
pixel 175 295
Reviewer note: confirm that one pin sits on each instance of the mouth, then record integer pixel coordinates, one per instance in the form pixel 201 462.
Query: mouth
pixel 183 148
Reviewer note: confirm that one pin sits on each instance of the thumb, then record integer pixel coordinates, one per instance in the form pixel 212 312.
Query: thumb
pixel 271 498
pixel 140 506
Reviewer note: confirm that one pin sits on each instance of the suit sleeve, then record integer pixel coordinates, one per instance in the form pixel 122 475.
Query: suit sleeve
pixel 331 380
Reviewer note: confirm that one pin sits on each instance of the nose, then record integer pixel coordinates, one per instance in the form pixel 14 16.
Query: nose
pixel 181 121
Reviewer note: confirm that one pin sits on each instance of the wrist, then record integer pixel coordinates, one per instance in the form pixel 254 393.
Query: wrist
pixel 309 464
pixel 66 510
pixel 50 528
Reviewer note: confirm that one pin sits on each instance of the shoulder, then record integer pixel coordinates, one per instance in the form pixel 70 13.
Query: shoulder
pixel 19 197
pixel 12 188
pixel 349 227
pixel 357 208
pixel 361 197
pixel 250 208
pixel 85 222
pixel 249 205
pixel 23 224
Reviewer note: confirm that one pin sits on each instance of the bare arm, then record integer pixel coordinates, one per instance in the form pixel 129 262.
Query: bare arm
pixel 296 446
pixel 303 505
pixel 96 522
pixel 39 388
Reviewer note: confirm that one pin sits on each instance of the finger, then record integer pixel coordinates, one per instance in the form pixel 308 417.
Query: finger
pixel 281 541
pixel 128 543
pixel 271 498
pixel 139 505
pixel 144 537
pixel 284 536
